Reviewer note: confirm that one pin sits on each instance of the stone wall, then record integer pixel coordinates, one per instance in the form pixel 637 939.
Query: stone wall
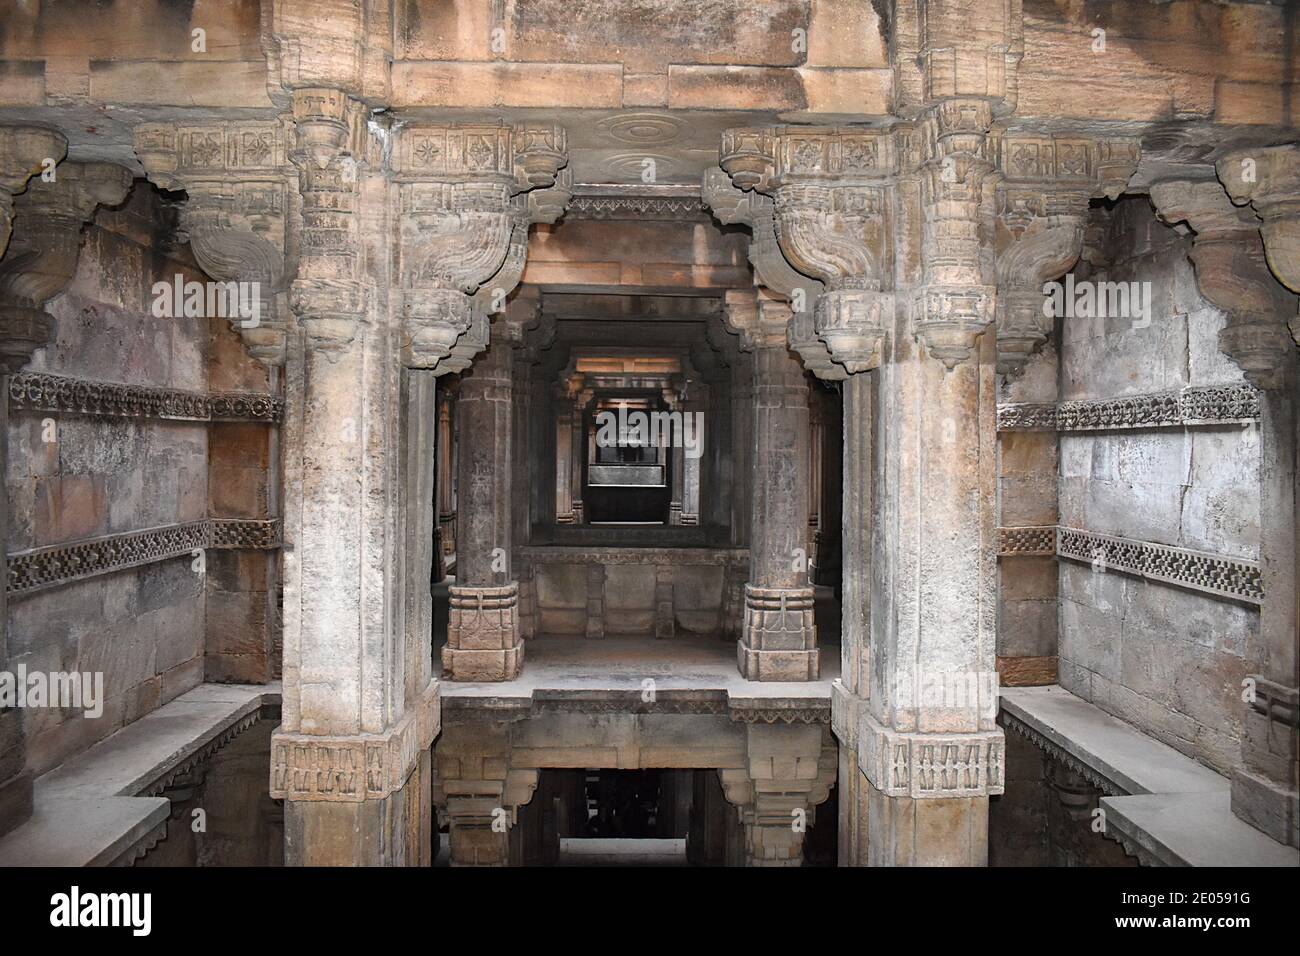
pixel 1167 659
pixel 143 627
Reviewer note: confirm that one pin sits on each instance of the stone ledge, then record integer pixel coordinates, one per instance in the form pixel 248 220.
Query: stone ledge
pixel 93 810
pixel 1164 807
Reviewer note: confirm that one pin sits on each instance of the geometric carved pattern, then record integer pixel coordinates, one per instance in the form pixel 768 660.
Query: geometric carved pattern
pixel 932 765
pixel 1031 540
pixel 33 391
pixel 1200 405
pixel 632 206
pixel 352 769
pixel 50 567
pixel 1234 578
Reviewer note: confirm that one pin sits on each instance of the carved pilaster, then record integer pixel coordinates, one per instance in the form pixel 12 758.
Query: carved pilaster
pixel 42 256
pixel 1232 273
pixel 237 175
pixel 468 194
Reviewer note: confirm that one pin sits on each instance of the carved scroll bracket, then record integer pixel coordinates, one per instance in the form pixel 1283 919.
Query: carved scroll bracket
pixel 468 194
pixel 1269 180
pixel 1232 273
pixel 24 152
pixel 237 175
pixel 830 192
pixel 1044 186
pixel 42 257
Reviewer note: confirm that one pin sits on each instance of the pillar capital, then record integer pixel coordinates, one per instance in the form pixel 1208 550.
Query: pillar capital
pixel 1232 273
pixel 238 176
pixel 830 189
pixel 42 256
pixel 1269 181
pixel 468 195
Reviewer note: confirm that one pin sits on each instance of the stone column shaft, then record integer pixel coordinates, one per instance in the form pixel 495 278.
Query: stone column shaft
pixel 483 641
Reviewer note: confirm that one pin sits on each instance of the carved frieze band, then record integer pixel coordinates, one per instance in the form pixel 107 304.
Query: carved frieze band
pixel 1194 405
pixel 41 568
pixel 931 766
pixel 1031 540
pixel 666 701
pixel 1059 753
pixel 1214 574
pixel 33 391
pixel 594 202
pixel 357 768
pixel 1234 578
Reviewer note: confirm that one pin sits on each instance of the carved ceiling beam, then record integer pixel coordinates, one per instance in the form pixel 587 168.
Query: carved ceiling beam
pixel 468 194
pixel 238 177
pixel 1269 180
pixel 42 257
pixel 1043 190
pixel 25 151
pixel 1232 273
pixel 830 189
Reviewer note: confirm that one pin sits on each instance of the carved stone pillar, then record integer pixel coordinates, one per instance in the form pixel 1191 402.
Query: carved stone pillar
pixel 695 404
pixel 483 636
pixel 779 637
pixel 477 793
pixel 789 771
pixel 351 757
pixel 577 452
pixel 446 476
pixel 1228 253
pixel 677 463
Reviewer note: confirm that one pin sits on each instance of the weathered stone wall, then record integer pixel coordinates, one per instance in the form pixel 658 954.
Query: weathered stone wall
pixel 1166 659
pixel 143 628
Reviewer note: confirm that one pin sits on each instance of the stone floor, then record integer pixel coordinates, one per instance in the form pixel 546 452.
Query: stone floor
pixel 559 664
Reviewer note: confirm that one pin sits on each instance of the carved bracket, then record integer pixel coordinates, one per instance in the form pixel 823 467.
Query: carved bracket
pixel 468 194
pixel 237 175
pixel 25 151
pixel 42 257
pixel 1232 273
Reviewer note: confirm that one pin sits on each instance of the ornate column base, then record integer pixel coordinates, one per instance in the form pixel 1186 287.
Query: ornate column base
pixel 483 642
pixel 357 800
pixel 923 797
pixel 778 640
pixel 790 771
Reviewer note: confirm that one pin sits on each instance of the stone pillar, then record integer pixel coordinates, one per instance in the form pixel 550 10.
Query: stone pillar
pixel 577 451
pixel 695 405
pixel 788 772
pixel 350 758
pixel 446 477
pixel 677 463
pixel 779 638
pixel 478 794
pixel 1232 256
pixel 45 224
pixel 483 641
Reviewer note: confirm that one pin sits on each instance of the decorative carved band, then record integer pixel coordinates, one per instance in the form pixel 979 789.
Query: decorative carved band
pixel 355 768
pixel 748 710
pixel 1194 405
pixel 1059 753
pixel 33 391
pixel 1234 578
pixel 1032 540
pixel 929 766
pixel 41 568
pixel 623 202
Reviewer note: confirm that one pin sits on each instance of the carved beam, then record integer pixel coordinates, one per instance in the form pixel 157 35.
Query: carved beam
pixel 1042 205
pixel 42 257
pixel 1232 273
pixel 830 189
pixel 1269 180
pixel 237 176
pixel 466 203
